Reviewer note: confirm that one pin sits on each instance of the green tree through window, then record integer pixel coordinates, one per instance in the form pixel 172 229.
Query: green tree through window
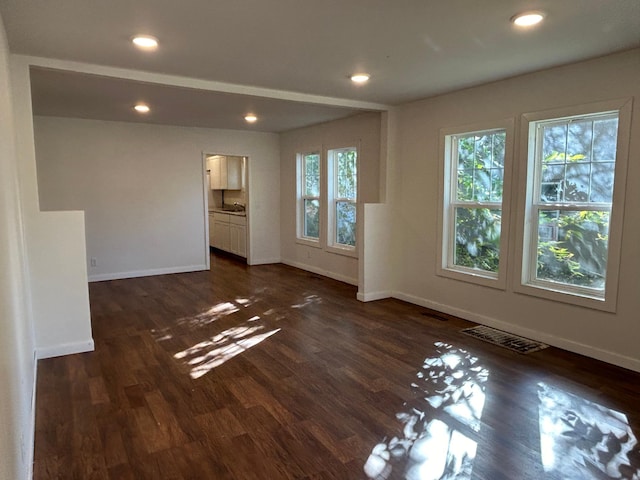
pixel 475 201
pixel 310 208
pixel 575 164
pixel 327 194
pixel 345 192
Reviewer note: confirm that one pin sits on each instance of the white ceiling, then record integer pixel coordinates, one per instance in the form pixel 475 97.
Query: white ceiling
pixel 71 94
pixel 411 48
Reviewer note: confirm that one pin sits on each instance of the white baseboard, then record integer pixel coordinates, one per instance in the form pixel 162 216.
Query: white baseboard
pixel 321 271
pixel 371 296
pixel 564 343
pixel 146 273
pixel 265 261
pixel 65 349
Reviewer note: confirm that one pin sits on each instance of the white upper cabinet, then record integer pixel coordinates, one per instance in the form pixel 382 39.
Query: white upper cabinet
pixel 225 172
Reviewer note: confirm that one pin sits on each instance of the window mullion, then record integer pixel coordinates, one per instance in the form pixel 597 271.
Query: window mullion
pixel 597 207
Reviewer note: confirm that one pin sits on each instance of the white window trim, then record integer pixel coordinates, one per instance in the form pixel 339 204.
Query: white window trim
pixel 331 245
pixel 573 295
pixel 447 184
pixel 300 238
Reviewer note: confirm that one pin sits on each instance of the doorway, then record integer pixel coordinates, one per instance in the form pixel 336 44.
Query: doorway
pixel 227 199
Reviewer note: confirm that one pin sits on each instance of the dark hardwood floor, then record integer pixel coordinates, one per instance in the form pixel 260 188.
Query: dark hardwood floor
pixel 270 372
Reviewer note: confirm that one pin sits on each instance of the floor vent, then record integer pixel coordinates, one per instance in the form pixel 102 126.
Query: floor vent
pixel 504 339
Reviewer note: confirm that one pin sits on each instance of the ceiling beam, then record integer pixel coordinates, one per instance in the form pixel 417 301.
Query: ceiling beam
pixel 196 83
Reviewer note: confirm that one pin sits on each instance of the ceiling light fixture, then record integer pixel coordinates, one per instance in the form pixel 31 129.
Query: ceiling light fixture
pixel 360 77
pixel 527 19
pixel 251 118
pixel 142 108
pixel 145 42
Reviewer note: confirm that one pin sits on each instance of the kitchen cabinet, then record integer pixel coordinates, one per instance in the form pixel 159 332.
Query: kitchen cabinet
pixel 238 235
pixel 225 172
pixel 211 229
pixel 229 233
pixel 221 238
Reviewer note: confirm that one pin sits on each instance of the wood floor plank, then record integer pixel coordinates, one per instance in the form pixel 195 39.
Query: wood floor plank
pixel 270 372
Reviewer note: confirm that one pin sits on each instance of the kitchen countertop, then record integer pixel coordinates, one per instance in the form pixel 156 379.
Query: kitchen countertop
pixel 241 213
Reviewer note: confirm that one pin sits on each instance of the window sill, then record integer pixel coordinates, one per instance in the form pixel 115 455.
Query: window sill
pixel 308 242
pixel 345 251
pixel 558 294
pixel 477 277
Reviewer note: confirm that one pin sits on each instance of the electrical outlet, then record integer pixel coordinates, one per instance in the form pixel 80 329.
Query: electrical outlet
pixel 94 262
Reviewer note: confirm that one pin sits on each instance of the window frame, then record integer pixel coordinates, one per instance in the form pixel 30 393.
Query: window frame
pixel 301 197
pixel 448 159
pixel 530 181
pixel 332 200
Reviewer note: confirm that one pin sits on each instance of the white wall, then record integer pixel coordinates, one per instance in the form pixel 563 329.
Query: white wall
pixel 361 130
pixel 17 363
pixel 611 337
pixel 55 245
pixel 375 278
pixel 376 259
pixel 141 188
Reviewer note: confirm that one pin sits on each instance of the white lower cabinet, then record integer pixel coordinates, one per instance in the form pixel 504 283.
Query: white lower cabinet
pixel 229 233
pixel 238 235
pixel 211 229
pixel 221 235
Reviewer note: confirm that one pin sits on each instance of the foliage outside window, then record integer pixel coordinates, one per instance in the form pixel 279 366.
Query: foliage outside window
pixel 343 197
pixel 472 217
pixel 309 216
pixel 572 185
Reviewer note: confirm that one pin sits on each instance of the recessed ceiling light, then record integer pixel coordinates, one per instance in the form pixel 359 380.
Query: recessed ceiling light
pixel 360 77
pixel 142 108
pixel 145 42
pixel 251 118
pixel 527 19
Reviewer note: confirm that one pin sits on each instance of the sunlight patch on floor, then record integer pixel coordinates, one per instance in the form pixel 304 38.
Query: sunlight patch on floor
pixel 205 317
pixel 580 439
pixel 308 300
pixel 209 354
pixel 449 391
pixel 212 314
pixel 214 351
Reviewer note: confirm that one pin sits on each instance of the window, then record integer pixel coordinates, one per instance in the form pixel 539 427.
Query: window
pixel 327 197
pixel 309 196
pixel 342 193
pixel 571 238
pixel 473 218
